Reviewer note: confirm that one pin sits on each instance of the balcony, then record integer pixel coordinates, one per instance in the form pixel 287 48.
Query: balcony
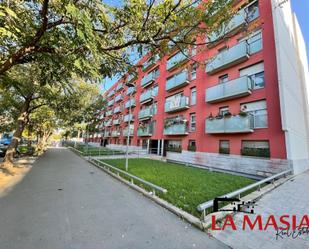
pixel 128 118
pixel 119 87
pixel 177 103
pixel 110 103
pixel 116 122
pixel 243 17
pixel 130 103
pixel 118 98
pixel 147 96
pixel 176 60
pixel 177 129
pixel 145 131
pixel 108 123
pixel 125 131
pixel 131 90
pixel 145 113
pixel 149 78
pixel 131 77
pixel 230 90
pixel 177 81
pixel 109 113
pixel 115 133
pixel 228 58
pixel 117 109
pixel 111 93
pixel 107 134
pixel 228 125
pixel 150 62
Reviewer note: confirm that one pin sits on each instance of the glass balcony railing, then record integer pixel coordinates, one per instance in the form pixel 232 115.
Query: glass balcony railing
pixel 115 133
pixel 108 123
pixel 108 113
pixel 177 104
pixel 118 98
pixel 117 109
pixel 176 129
pixel 145 113
pixel 229 90
pixel 228 58
pixel 131 90
pixel 107 134
pixel 145 131
pixel 128 118
pixel 177 81
pixel 176 59
pixel 147 96
pixel 131 103
pixel 149 78
pixel 116 122
pixel 119 87
pixel 126 130
pixel 233 124
pixel 132 77
pixel 110 103
pixel 111 93
pixel 150 62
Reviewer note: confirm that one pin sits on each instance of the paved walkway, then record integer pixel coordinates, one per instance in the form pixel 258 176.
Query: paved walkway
pixel 65 203
pixel 291 198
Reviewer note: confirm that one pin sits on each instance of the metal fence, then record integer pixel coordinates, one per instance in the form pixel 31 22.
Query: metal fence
pixel 209 204
pixel 125 174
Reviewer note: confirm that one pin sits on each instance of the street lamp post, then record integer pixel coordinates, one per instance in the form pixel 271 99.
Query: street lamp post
pixel 129 127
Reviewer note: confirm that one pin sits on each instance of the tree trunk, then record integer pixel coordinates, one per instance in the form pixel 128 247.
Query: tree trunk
pixel 20 125
pixel 43 141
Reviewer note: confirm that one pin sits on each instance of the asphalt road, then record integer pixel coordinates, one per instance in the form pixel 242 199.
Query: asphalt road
pixel 66 203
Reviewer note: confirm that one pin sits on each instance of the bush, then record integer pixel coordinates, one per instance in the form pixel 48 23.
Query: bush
pixel 257 152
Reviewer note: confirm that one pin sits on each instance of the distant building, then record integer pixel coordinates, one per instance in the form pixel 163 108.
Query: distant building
pixel 246 111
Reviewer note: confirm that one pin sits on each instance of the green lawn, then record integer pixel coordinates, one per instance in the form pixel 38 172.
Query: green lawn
pixel 187 187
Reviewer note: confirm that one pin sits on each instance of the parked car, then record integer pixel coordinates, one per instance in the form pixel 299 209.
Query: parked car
pixel 6 139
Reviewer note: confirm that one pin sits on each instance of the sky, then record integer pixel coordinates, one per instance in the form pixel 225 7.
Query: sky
pixel 300 7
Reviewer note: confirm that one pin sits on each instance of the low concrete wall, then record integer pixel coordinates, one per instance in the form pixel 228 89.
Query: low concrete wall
pixel 232 163
pixel 124 147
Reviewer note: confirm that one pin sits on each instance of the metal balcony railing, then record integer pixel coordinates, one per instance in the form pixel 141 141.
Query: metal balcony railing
pixel 177 81
pixel 229 90
pixel 177 104
pixel 228 58
pixel 232 124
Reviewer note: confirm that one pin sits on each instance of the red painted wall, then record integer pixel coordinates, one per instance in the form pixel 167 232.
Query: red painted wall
pixel 210 143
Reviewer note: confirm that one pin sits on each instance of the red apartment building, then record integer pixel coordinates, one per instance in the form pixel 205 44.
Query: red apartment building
pixel 246 111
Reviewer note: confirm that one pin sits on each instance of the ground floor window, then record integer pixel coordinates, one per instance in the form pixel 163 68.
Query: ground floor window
pixel 192 145
pixel 255 148
pixel 144 144
pixel 224 147
pixel 174 146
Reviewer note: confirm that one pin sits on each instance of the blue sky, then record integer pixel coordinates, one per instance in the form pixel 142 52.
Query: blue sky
pixel 301 8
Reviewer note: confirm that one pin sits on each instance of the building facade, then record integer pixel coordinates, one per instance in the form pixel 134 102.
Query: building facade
pixel 239 104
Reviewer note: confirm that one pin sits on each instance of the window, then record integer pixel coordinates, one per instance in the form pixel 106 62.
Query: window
pixel 144 144
pixel 193 71
pixel 174 146
pixel 155 73
pixel 223 78
pixel 255 148
pixel 193 96
pixel 253 11
pixel 155 90
pixel 155 108
pixel 256 75
pixel 192 122
pixel 224 147
pixel 259 111
pixel 192 145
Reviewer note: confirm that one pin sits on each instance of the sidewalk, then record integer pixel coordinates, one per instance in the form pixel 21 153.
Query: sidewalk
pixel 291 198
pixel 66 203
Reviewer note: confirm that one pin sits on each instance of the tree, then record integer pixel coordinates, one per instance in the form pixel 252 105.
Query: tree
pixel 93 37
pixel 24 94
